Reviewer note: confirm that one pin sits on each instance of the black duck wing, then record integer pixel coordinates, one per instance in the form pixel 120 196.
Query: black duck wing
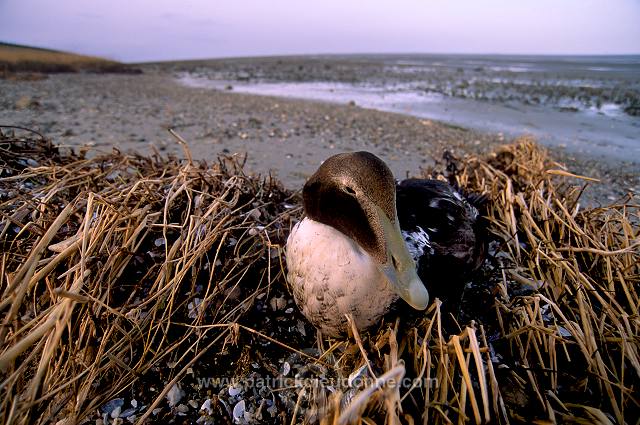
pixel 452 224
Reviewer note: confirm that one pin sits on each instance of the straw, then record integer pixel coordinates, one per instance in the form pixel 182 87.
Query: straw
pixel 120 273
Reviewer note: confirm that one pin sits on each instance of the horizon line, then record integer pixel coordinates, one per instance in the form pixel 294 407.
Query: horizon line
pixel 290 55
pixel 355 53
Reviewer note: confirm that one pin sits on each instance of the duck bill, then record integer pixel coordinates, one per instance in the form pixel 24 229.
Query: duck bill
pixel 400 268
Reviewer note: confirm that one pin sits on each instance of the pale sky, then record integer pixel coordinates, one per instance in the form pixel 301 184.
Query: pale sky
pixel 143 30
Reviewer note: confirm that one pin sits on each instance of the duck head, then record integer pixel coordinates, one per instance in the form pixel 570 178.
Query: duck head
pixel 355 193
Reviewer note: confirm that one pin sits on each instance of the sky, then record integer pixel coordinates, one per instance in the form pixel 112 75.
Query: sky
pixel 148 30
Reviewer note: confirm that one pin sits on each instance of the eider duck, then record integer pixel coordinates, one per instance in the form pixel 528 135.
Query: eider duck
pixel 366 241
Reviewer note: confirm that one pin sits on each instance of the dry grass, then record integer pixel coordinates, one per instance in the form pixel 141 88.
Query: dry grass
pixel 113 268
pixel 15 54
pixel 26 59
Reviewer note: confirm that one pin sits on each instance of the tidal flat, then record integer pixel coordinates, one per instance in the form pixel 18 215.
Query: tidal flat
pixel 287 114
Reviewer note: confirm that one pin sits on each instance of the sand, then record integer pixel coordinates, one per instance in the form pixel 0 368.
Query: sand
pixel 287 138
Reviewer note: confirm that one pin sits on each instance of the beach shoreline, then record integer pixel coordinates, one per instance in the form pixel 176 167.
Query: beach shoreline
pixel 287 138
pixel 584 104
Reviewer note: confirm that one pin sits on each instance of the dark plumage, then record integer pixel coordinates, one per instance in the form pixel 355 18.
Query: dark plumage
pixel 455 228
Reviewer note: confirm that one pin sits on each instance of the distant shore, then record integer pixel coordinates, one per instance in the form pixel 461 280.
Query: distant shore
pixel 285 137
pixel 586 105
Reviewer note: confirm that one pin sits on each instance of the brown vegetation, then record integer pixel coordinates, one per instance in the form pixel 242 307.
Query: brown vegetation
pixel 15 59
pixel 114 267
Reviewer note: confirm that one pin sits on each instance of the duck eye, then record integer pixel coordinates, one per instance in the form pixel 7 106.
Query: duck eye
pixel 350 190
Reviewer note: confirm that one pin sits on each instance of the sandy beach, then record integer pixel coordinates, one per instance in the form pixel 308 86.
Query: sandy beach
pixel 285 137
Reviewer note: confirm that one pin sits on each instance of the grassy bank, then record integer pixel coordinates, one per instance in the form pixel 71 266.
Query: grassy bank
pixel 17 58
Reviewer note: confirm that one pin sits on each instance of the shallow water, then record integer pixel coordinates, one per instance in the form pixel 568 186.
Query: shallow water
pixel 584 104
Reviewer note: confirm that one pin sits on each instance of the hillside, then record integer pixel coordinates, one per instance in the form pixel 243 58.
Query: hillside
pixel 18 58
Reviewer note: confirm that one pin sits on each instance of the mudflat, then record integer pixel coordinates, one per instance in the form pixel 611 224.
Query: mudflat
pixel 285 137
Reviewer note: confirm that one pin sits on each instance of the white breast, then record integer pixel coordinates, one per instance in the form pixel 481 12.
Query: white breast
pixel 330 275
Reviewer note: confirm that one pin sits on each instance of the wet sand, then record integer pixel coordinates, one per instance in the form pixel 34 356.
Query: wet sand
pixel 612 137
pixel 285 137
pixel 585 104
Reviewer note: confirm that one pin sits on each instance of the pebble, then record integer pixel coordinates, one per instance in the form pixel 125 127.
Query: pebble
pixel 174 395
pixel 127 413
pixel 255 213
pixel 111 405
pixel 238 411
pixel 206 407
pixel 24 102
pixel 234 391
pixel 277 303
pixel 301 328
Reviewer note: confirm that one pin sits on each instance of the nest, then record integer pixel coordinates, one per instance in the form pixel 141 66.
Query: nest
pixel 148 289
